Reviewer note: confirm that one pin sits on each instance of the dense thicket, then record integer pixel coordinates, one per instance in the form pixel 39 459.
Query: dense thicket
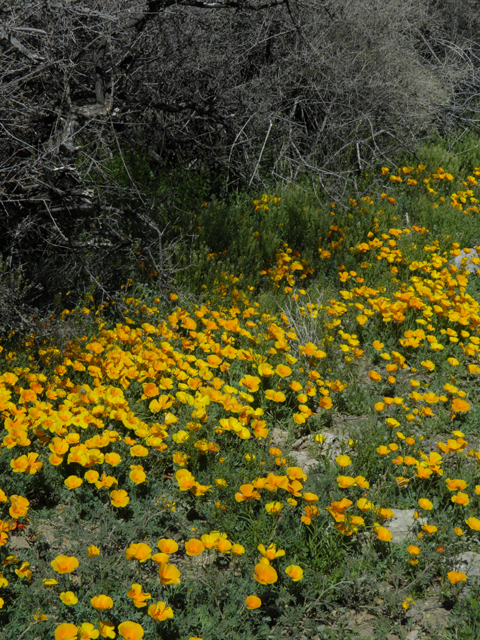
pixel 103 104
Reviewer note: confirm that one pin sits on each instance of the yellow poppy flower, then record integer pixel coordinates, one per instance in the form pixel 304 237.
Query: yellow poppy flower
pixel 68 598
pixel 425 504
pixel 343 461
pixel 295 572
pixel 119 498
pixel 73 482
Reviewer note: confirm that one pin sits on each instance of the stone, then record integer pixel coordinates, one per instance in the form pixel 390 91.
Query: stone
pixel 304 460
pixel 402 524
pixel 468 563
pixel 429 614
pixel 18 542
pixel 302 451
pixel 306 451
pixel 279 438
pixel 361 623
pixel 469 265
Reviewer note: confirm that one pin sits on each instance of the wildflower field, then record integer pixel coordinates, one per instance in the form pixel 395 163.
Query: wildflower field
pixel 149 483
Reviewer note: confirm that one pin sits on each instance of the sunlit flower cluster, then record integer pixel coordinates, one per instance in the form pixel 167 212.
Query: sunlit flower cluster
pixel 189 401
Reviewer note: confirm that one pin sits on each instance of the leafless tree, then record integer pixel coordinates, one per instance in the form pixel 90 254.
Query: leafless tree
pixel 241 88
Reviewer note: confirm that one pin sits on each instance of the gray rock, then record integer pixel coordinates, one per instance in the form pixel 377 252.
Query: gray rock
pixel 362 623
pixel 331 447
pixel 303 451
pixel 306 451
pixel 401 524
pixel 429 615
pixel 304 460
pixel 457 261
pixel 18 542
pixel 279 438
pixel 469 564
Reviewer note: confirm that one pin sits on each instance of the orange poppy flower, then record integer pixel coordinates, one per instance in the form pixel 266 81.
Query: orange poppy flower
pixel 339 506
pixel 19 506
pixel 92 476
pixel 265 370
pixel 101 602
pixel 130 630
pixel 265 574
pixel 275 396
pixel 362 482
pixel 66 631
pixel 194 547
pixel 273 507
pixel 107 629
pixel 185 479
pixel 460 406
pixel 138 596
pixel 345 481
pixel 64 564
pixel 382 533
pixel 271 552
pixel 247 492
pixel 384 513
pixel 283 371
pixel 160 558
pixel 473 523
pixel 169 574
pixel 167 545
pixel 456 576
pixel 224 546
pixel 150 390
pixel 139 551
pixel 461 498
pixel 429 528
pixel 238 549
pixel 251 382
pixel 253 602
pixel 137 474
pixel 160 611
pixel 138 451
pixel 26 464
pixel 365 505
pixel 296 473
